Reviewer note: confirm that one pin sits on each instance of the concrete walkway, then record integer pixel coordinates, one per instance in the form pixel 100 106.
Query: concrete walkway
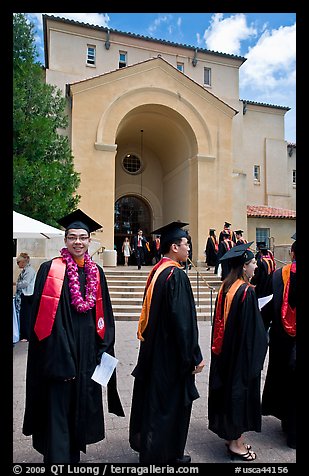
pixel 203 445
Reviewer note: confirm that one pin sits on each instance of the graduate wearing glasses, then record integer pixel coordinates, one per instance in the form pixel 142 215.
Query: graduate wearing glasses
pixel 169 357
pixel 72 325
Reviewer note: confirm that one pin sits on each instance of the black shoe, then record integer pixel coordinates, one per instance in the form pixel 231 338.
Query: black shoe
pixel 139 267
pixel 186 459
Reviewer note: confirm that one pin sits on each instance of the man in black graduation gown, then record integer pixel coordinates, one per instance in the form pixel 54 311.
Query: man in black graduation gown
pixel 224 245
pixel 227 229
pixel 279 393
pixel 240 240
pixel 169 357
pixel 64 410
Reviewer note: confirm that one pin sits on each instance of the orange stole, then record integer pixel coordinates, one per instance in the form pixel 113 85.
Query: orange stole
pixel 143 320
pixel 288 315
pixel 221 317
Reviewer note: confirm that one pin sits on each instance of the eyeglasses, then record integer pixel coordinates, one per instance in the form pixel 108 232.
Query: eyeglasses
pixel 74 238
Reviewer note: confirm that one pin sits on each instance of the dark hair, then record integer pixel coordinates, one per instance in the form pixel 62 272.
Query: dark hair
pixel 166 245
pixel 293 248
pixel 235 273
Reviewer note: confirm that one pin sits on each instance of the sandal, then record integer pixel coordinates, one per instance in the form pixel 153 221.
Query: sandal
pixel 249 456
pixel 247 447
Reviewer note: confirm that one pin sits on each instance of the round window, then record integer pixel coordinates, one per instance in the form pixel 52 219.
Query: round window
pixel 132 164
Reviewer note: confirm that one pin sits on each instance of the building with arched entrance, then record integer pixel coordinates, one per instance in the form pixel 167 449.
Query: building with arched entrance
pixel 158 133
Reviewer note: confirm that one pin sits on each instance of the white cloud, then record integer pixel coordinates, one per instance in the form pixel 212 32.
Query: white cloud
pixel 271 63
pixel 100 19
pixel 225 35
pixel 173 27
pixel 269 73
pixel 156 24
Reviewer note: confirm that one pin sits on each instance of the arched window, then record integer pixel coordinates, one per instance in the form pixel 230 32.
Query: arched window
pixel 132 213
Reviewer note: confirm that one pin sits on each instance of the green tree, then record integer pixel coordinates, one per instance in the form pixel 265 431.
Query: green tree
pixel 44 180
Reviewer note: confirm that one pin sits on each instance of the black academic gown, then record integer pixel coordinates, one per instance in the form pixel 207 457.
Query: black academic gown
pixel 235 374
pixel 164 387
pixel 211 253
pixel 263 282
pixel 63 417
pixel 279 394
pixel 224 246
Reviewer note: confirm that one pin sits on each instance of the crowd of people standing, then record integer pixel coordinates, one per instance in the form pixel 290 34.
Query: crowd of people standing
pixel 71 329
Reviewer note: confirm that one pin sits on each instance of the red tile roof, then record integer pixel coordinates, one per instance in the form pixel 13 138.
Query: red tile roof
pixel 260 211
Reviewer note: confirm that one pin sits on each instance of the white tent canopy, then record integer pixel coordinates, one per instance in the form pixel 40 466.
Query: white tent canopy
pixel 25 227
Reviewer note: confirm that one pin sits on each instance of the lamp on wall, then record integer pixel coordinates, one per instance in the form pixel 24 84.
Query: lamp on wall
pixel 290 150
pixel 107 42
pixel 194 60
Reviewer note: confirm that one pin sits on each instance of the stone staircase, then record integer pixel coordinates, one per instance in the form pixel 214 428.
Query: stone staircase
pixel 126 287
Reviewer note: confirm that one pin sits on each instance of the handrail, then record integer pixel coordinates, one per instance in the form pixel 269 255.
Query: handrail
pixel 198 289
pixel 208 285
pixel 98 250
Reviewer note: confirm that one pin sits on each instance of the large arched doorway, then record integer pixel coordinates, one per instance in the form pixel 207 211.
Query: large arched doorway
pixel 131 214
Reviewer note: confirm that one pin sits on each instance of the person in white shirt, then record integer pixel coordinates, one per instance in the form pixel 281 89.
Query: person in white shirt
pixel 24 294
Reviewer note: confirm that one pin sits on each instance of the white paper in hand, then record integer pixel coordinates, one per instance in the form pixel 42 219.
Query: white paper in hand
pixel 103 372
pixel 264 300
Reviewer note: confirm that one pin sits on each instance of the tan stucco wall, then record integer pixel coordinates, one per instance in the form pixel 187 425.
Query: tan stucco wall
pixel 192 163
pixel 280 230
pixel 198 155
pixel 68 48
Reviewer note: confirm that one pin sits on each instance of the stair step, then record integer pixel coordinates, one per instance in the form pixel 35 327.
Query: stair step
pixel 127 286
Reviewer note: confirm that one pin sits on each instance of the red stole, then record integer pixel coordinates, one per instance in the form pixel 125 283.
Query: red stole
pixel 215 243
pixel 288 315
pixel 221 314
pixel 228 243
pixel 50 300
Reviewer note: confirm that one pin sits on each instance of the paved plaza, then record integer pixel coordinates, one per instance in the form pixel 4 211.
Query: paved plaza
pixel 203 445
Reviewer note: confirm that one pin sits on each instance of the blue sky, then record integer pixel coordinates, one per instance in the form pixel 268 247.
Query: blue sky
pixel 267 40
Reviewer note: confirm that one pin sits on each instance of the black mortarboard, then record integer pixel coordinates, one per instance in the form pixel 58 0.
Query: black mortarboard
pixel 212 229
pixel 238 232
pixel 227 224
pixel 294 236
pixel 238 254
pixel 79 219
pixel 170 232
pixel 261 245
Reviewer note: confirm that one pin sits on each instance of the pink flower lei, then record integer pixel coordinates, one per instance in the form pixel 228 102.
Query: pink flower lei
pixel 80 304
